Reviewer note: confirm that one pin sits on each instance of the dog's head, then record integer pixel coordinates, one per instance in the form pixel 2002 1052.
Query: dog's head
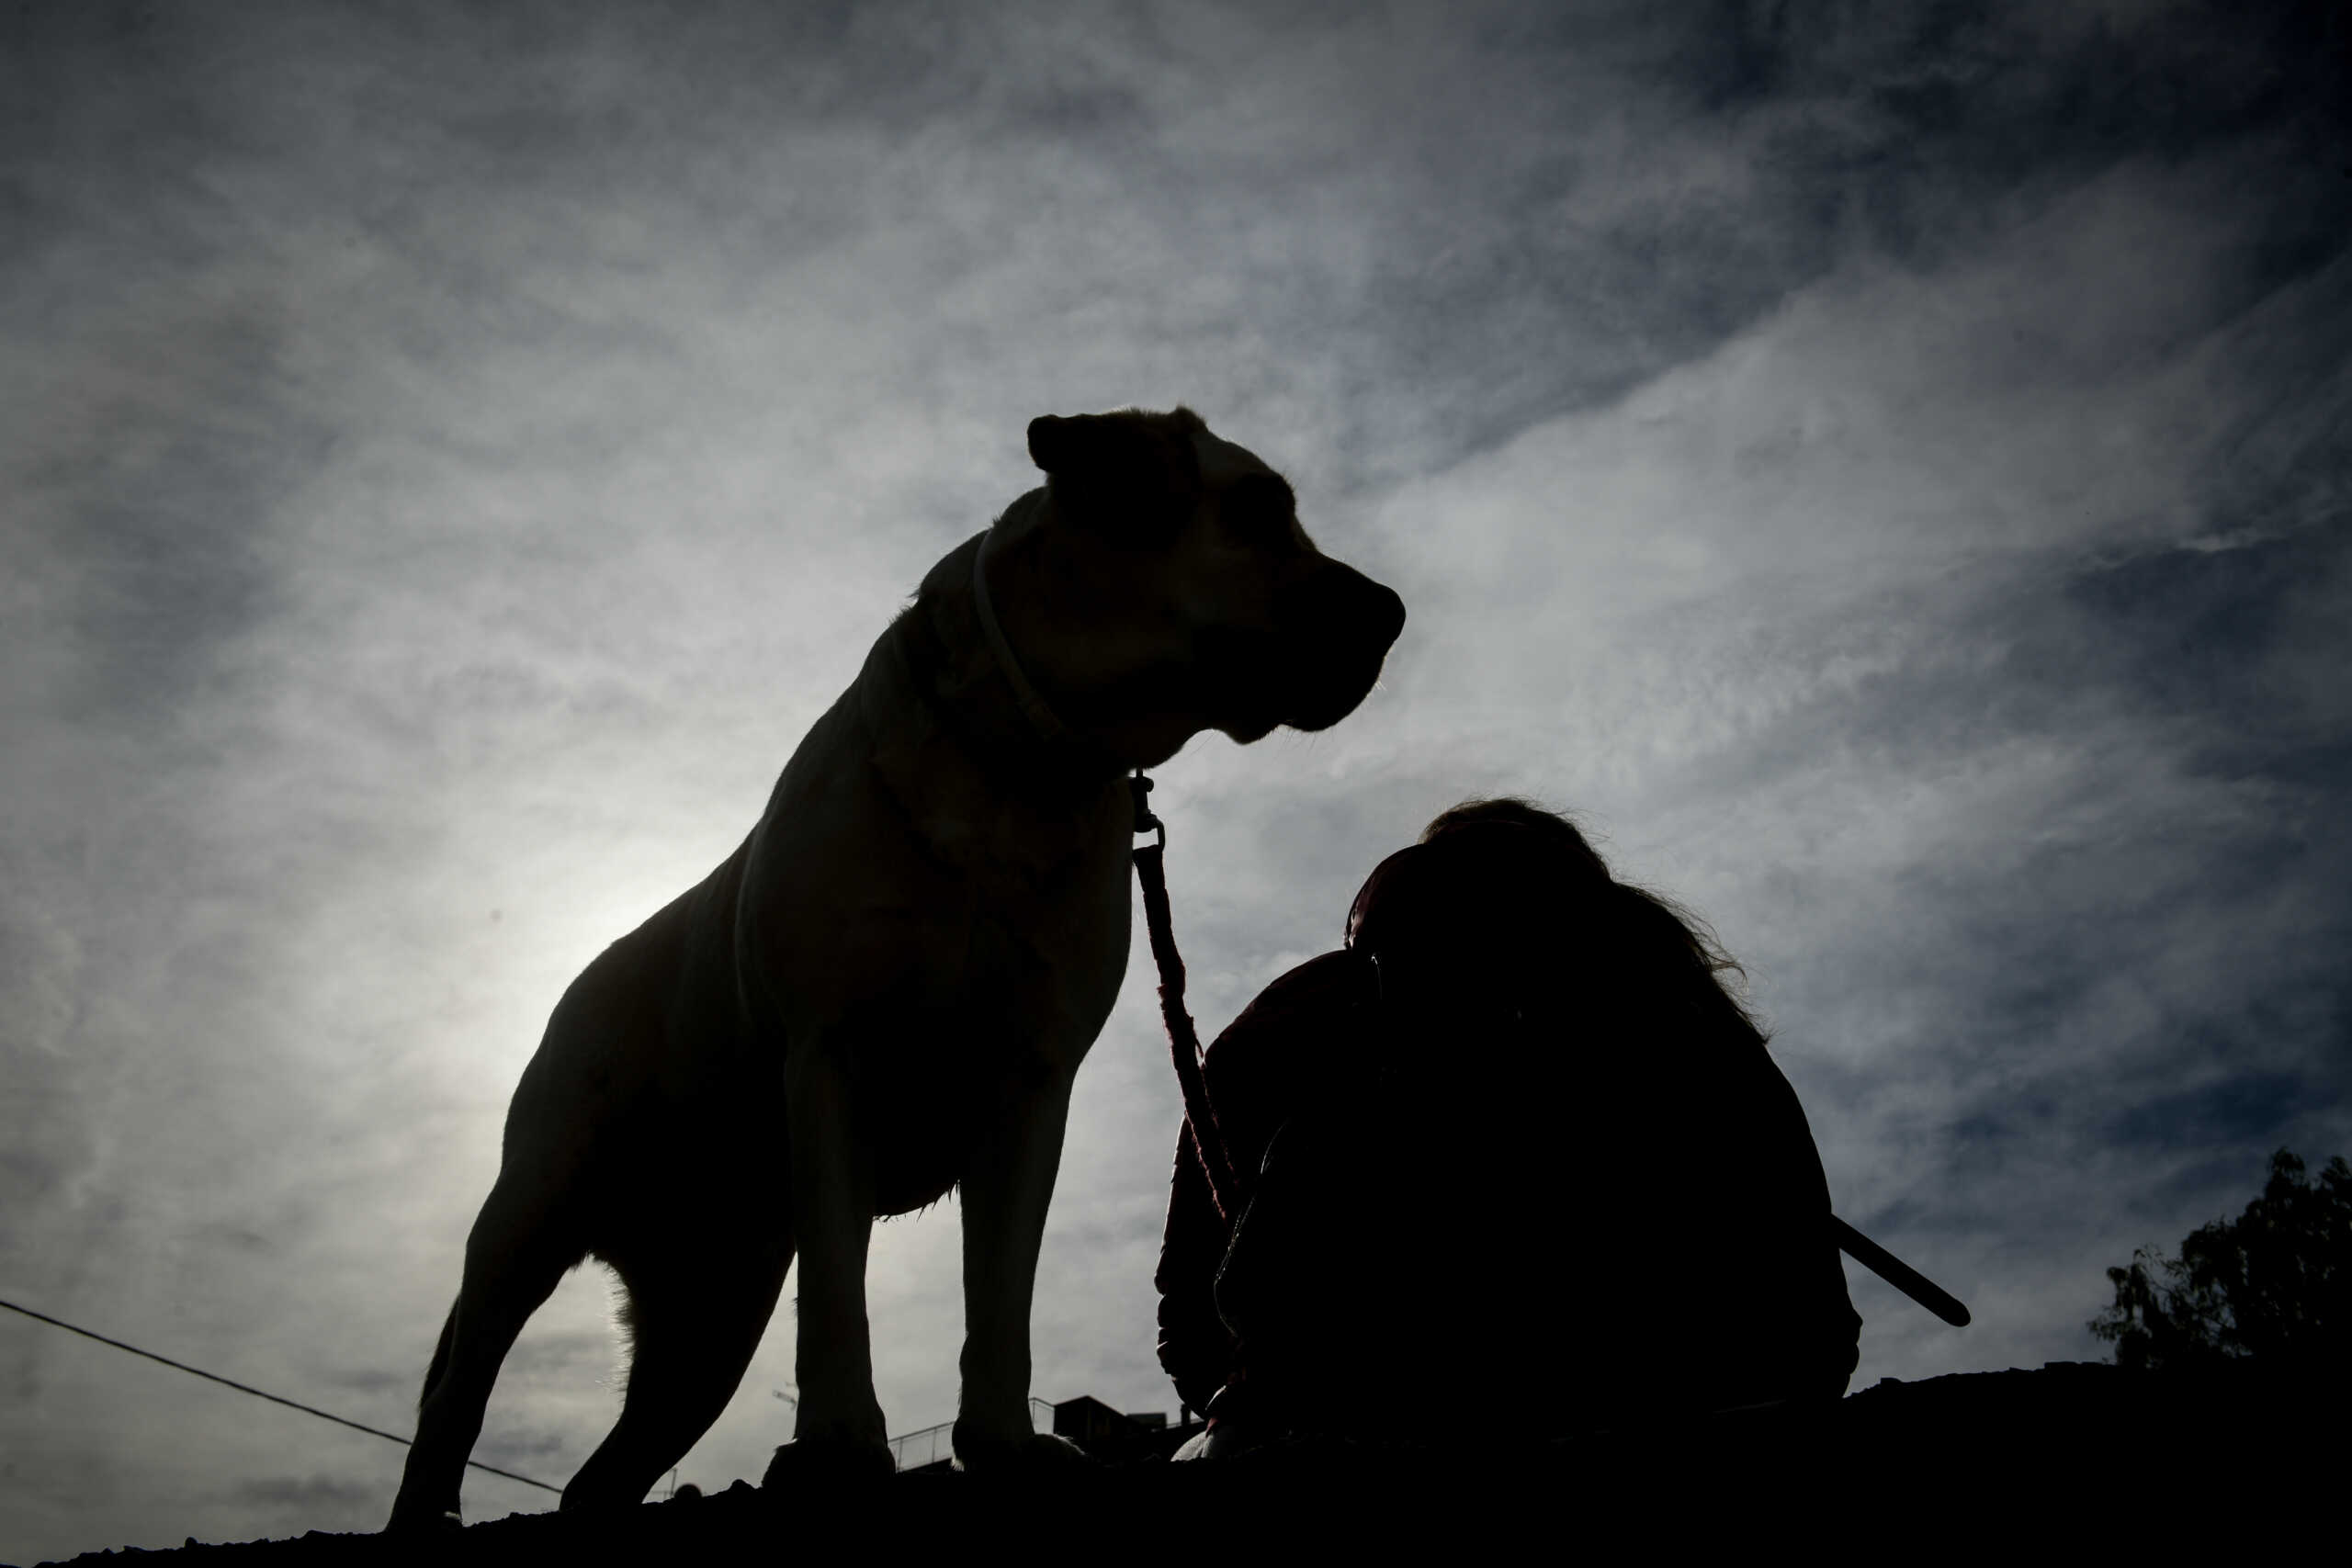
pixel 1173 591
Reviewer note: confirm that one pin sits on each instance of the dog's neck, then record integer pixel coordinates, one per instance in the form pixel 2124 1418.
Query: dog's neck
pixel 965 671
pixel 1043 720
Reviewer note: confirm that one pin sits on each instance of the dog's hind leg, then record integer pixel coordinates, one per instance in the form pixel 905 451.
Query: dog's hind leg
pixel 696 1315
pixel 512 1266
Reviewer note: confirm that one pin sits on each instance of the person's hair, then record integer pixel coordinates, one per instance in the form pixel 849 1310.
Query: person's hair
pixel 1554 832
pixel 1494 884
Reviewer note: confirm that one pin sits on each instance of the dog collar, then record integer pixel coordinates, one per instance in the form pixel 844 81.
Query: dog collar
pixel 1033 707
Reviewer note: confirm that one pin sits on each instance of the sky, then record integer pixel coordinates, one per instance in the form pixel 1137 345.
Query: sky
pixel 1884 471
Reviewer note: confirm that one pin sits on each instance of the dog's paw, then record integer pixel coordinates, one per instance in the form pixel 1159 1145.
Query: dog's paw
pixel 1025 1453
pixel 806 1463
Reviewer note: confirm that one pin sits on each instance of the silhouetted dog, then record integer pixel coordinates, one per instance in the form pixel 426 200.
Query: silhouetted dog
pixel 887 990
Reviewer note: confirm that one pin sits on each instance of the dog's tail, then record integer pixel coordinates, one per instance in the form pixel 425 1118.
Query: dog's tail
pixel 440 1356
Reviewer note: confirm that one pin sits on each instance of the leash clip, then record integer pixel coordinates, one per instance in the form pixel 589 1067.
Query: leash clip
pixel 1139 796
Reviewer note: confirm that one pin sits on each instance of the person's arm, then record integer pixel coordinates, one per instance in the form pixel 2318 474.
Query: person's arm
pixel 1802 1324
pixel 1194 1349
pixel 1258 1068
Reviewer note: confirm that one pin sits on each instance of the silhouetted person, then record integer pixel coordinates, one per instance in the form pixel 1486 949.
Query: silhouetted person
pixel 1517 1164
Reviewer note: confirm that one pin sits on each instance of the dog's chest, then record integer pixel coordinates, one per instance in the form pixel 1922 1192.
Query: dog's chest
pixel 968 1029
pixel 894 899
pixel 1007 975
pixel 948 937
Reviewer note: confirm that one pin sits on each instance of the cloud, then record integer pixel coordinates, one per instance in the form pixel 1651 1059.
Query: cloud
pixel 303 1496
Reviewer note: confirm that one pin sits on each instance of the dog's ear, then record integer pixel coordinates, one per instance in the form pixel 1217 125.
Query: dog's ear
pixel 1133 472
pixel 1061 445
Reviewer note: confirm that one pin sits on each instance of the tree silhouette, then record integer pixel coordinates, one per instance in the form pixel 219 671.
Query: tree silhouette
pixel 2274 1285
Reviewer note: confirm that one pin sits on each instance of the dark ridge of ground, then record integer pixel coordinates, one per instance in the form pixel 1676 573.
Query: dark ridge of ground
pixel 2076 1455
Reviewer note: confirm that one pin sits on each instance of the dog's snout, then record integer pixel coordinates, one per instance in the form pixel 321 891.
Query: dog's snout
pixel 1335 649
pixel 1366 614
pixel 1387 617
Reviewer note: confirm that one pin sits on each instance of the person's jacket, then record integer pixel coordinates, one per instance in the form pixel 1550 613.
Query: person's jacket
pixel 1302 1035
pixel 1595 1216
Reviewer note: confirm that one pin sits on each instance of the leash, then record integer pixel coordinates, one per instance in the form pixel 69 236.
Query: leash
pixel 1183 1041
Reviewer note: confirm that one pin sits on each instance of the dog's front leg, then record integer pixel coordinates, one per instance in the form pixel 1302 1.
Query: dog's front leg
pixel 839 1429
pixel 1005 1195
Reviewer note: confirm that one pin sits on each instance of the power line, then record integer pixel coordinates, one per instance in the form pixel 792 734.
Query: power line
pixel 259 1393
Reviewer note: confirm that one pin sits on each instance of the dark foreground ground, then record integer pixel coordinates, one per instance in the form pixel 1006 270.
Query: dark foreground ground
pixel 2076 1457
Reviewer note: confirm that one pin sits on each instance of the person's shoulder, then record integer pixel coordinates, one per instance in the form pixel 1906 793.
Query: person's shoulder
pixel 1316 994
pixel 1286 1050
pixel 1327 973
pixel 1330 980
